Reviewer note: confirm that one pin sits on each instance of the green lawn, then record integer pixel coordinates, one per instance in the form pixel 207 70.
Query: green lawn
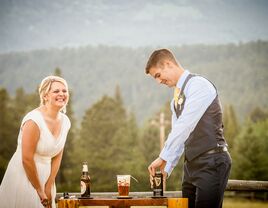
pixel 243 203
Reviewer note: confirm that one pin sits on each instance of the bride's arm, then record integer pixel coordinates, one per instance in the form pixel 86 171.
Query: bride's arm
pixel 55 165
pixel 30 137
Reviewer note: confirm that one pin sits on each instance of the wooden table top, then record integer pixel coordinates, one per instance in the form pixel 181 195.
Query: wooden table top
pixel 119 203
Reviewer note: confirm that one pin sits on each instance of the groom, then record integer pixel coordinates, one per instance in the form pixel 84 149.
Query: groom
pixel 197 130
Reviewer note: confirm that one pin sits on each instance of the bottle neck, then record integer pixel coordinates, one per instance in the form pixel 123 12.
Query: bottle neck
pixel 85 173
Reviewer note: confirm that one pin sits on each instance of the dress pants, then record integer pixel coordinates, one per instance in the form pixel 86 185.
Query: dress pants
pixel 205 179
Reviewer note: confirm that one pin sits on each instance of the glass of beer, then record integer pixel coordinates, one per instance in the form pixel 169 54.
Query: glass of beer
pixel 123 184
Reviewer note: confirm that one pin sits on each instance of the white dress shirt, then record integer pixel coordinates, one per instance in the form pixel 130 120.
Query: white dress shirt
pixel 199 94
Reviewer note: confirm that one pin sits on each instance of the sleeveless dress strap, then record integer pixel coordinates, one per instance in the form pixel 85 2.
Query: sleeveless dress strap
pixel 34 116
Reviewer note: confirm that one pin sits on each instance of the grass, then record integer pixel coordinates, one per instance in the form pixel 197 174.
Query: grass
pixel 244 203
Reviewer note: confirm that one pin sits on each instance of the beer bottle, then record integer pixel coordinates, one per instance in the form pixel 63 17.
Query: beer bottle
pixel 85 181
pixel 158 189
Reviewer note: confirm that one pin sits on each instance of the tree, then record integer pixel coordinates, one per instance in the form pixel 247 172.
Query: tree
pixel 5 131
pixel 19 106
pixel 118 96
pixel 23 103
pixel 250 155
pixel 12 111
pixel 98 128
pixel 65 172
pixel 231 125
pixel 258 114
pixel 150 145
pixel 57 72
pixel 108 141
pixel 132 162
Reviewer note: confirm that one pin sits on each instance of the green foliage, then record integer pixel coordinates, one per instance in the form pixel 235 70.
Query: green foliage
pixel 250 155
pixel 150 145
pixel 108 141
pixel 108 136
pixel 258 114
pixel 65 172
pixel 231 125
pixel 12 111
pixel 5 126
pixel 239 72
pixel 57 72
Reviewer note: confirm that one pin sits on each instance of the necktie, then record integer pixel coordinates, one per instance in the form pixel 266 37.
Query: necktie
pixel 176 96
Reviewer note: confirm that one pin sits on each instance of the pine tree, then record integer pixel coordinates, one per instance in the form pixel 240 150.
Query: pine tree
pixel 250 155
pixel 64 176
pixel 12 112
pixel 150 145
pixel 108 141
pixel 118 96
pixel 5 131
pixel 57 72
pixel 258 114
pixel 96 143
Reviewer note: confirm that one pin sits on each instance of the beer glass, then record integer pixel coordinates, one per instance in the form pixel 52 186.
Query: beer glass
pixel 123 184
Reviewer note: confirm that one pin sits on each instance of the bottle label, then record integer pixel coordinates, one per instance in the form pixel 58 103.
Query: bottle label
pixel 85 168
pixel 83 187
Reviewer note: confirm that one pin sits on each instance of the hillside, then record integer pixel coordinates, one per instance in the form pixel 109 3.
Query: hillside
pixel 240 73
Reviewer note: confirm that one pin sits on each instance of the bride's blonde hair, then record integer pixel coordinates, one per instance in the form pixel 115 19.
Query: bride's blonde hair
pixel 45 86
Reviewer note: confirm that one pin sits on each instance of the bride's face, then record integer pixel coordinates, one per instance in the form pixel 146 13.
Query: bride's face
pixel 58 95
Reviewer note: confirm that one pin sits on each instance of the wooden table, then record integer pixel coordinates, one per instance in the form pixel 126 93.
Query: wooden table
pixel 124 203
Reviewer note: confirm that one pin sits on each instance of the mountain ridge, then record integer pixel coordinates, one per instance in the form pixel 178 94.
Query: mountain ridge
pixel 239 72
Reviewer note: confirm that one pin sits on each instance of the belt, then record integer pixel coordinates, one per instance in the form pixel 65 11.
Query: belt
pixel 216 150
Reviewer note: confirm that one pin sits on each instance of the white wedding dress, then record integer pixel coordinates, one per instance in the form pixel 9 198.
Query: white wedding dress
pixel 16 191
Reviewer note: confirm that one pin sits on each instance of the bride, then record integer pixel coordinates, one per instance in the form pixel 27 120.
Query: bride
pixel 29 180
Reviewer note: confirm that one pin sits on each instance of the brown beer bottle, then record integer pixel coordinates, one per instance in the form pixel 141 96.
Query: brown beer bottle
pixel 85 181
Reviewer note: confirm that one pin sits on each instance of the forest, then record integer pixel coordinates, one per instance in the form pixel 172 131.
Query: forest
pixel 238 70
pixel 113 103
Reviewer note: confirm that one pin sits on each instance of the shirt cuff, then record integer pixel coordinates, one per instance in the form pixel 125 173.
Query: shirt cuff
pixel 163 154
pixel 168 168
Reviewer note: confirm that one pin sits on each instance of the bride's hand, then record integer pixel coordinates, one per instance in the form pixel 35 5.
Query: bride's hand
pixel 48 188
pixel 43 198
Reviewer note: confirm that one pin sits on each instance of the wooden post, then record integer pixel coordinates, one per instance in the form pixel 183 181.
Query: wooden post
pixel 162 130
pixel 161 124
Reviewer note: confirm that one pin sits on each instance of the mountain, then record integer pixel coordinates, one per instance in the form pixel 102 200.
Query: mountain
pixel 238 70
pixel 35 24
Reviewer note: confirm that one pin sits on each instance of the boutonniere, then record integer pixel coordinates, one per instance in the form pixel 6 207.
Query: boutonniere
pixel 176 96
pixel 180 100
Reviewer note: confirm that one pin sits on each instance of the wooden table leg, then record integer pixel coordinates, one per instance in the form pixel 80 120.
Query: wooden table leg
pixel 177 203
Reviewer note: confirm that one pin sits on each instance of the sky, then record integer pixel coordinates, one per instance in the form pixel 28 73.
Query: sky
pixel 41 24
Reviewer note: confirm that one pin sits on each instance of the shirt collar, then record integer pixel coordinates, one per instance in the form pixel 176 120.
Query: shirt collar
pixel 182 79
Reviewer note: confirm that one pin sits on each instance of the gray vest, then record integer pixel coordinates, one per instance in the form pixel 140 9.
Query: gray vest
pixel 208 133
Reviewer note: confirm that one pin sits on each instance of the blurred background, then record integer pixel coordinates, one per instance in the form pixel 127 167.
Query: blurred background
pixel 101 48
